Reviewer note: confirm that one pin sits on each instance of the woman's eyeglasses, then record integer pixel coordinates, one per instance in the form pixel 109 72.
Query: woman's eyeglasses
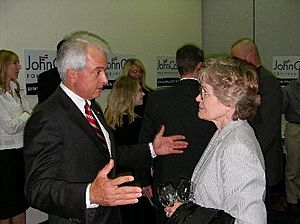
pixel 204 94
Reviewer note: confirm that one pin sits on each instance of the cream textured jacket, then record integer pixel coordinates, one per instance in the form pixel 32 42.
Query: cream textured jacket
pixel 231 176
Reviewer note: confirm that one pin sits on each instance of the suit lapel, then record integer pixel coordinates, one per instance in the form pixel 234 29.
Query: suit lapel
pixel 98 112
pixel 79 120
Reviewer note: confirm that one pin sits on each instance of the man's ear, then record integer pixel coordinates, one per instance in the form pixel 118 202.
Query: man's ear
pixel 198 66
pixel 249 57
pixel 71 74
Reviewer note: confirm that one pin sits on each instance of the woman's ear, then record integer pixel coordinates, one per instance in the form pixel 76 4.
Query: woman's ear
pixel 230 111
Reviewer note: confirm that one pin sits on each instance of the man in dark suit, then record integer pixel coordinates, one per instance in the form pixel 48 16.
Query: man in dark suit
pixel 177 109
pixel 48 81
pixel 267 121
pixel 69 150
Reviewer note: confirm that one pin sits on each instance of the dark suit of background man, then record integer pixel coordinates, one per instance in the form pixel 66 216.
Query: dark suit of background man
pixel 63 153
pixel 267 121
pixel 48 81
pixel 177 109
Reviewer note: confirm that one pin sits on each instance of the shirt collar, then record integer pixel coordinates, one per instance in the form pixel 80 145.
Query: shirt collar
pixel 78 100
pixel 189 78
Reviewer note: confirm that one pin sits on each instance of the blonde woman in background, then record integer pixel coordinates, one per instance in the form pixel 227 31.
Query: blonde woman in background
pixel 14 112
pixel 120 115
pixel 134 68
pixel 124 96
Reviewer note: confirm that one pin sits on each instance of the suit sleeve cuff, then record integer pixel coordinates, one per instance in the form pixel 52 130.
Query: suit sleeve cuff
pixel 153 154
pixel 87 198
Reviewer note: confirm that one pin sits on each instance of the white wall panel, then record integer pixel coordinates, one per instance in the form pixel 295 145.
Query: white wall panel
pixel 224 22
pixel 145 28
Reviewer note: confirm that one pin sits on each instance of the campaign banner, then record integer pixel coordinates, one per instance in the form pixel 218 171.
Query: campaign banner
pixel 286 68
pixel 36 62
pixel 114 68
pixel 167 73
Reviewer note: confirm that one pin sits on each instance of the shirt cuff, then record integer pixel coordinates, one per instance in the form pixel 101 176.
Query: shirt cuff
pixel 87 198
pixel 153 154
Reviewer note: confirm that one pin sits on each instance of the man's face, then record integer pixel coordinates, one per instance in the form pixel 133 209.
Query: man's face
pixel 88 83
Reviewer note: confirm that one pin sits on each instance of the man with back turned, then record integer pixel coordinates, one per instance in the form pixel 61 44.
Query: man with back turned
pixel 177 109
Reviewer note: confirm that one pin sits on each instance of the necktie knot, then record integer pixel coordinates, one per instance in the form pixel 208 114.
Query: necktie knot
pixel 87 106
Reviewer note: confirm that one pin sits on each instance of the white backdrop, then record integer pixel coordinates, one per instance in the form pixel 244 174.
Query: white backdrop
pixel 145 28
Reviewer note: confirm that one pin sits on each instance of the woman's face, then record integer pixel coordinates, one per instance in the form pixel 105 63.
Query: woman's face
pixel 12 69
pixel 139 96
pixel 210 108
pixel 136 72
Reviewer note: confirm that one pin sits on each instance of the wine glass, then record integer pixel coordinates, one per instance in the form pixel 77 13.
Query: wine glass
pixel 185 190
pixel 167 194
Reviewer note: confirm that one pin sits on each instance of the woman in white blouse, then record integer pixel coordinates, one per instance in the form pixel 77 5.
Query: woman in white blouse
pixel 230 175
pixel 14 112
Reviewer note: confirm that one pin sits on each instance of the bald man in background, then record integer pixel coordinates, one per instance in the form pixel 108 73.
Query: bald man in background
pixel 267 121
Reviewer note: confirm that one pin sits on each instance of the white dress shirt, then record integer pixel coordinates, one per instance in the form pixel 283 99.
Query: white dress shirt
pixel 14 112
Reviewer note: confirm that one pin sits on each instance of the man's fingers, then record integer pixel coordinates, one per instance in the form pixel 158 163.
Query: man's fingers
pixel 177 137
pixel 122 180
pixel 130 191
pixel 161 130
pixel 176 151
pixel 124 202
pixel 180 144
pixel 125 195
pixel 108 167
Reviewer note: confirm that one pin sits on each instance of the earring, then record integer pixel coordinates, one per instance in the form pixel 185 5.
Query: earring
pixel 228 114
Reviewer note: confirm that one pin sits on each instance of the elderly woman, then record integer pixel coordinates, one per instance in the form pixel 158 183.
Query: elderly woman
pixel 230 175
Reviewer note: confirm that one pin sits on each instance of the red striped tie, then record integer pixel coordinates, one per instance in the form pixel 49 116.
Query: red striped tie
pixel 96 128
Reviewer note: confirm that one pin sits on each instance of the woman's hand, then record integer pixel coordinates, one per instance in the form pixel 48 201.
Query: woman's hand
pixel 147 191
pixel 170 210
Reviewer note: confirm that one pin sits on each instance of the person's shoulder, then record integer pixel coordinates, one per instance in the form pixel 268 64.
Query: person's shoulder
pixel 265 74
pixel 292 87
pixel 239 131
pixel 295 85
pixel 160 91
pixel 268 80
pixel 48 73
pixel 53 101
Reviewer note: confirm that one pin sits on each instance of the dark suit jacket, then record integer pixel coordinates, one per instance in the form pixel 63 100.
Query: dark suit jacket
pixel 267 125
pixel 47 84
pixel 177 109
pixel 62 155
